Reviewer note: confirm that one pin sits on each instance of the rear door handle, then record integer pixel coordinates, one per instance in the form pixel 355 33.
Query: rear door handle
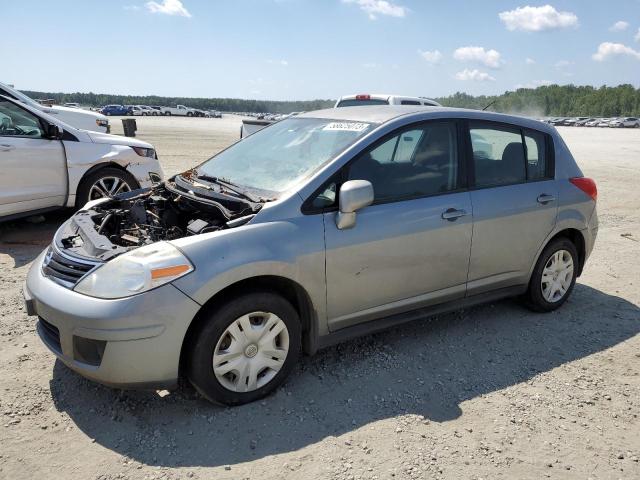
pixel 5 147
pixel 452 214
pixel 544 199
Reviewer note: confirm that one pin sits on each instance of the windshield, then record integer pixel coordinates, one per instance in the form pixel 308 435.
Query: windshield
pixel 279 156
pixel 12 93
pixel 353 102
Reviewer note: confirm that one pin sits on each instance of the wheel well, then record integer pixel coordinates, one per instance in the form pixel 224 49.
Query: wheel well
pixel 578 240
pixel 100 166
pixel 288 289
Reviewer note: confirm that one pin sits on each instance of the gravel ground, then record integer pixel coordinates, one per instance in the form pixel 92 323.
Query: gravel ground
pixel 489 392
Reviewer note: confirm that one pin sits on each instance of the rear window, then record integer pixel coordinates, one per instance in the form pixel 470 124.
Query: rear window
pixel 359 103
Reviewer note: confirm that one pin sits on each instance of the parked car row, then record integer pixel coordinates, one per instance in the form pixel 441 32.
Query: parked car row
pixel 617 122
pixel 156 110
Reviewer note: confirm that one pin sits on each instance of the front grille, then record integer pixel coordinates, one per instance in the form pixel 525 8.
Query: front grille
pixel 50 334
pixel 63 270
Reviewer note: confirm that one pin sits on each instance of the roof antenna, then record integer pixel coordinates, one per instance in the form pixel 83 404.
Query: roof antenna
pixel 489 104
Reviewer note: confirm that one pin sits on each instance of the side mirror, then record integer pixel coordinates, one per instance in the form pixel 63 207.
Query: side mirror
pixel 354 195
pixel 54 132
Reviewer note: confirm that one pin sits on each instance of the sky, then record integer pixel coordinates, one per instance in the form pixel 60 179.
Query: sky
pixel 308 49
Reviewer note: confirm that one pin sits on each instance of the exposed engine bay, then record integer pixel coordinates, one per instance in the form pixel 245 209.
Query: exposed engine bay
pixel 178 208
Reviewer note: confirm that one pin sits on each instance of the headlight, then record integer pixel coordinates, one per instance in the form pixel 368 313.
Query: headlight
pixel 145 152
pixel 102 123
pixel 135 272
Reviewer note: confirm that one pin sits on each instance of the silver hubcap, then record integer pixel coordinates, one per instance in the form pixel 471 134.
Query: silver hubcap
pixel 557 276
pixel 107 187
pixel 251 351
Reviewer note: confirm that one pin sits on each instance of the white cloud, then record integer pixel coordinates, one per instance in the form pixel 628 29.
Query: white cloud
pixel 379 7
pixel 490 58
pixel 371 65
pixel 431 56
pixel 537 19
pixel 168 7
pixel 283 63
pixel 637 37
pixel 608 49
pixel 619 26
pixel 530 61
pixel 475 75
pixel 131 8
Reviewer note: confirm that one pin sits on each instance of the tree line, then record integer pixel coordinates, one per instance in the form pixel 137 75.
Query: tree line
pixel 556 100
pixel 548 100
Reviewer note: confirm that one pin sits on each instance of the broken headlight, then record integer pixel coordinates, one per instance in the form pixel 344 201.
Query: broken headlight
pixel 136 271
pixel 145 152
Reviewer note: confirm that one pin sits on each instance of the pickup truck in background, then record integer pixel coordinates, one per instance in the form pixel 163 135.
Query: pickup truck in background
pixel 251 126
pixel 182 111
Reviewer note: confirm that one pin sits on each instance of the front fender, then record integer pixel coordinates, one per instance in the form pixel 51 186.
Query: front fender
pixel 291 249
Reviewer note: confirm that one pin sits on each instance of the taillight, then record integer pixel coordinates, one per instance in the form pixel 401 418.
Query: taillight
pixel 363 97
pixel 587 185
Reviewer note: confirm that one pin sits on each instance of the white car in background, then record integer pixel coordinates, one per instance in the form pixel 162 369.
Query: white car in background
pixel 76 117
pixel 383 99
pixel 48 164
pixel 628 122
pixel 147 111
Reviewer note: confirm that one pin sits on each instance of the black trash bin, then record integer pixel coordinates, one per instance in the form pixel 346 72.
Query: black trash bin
pixel 129 126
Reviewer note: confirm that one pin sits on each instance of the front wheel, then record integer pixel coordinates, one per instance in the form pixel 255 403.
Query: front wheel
pixel 554 276
pixel 104 183
pixel 245 349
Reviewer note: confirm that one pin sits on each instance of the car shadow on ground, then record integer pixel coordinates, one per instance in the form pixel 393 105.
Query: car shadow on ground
pixel 425 368
pixel 25 238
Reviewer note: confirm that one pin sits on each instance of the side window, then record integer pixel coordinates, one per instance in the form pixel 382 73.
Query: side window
pixel 410 102
pixel 17 122
pixel 536 155
pixel 417 162
pixel 498 155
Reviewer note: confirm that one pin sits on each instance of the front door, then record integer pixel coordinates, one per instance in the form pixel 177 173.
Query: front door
pixel 34 170
pixel 411 247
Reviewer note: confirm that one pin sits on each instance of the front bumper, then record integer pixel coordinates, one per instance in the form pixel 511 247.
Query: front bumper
pixel 140 337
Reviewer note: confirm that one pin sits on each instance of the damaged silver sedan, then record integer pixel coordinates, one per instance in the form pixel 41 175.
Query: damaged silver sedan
pixel 316 229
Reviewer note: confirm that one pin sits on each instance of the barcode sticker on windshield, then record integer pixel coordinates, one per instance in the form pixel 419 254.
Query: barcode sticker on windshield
pixel 346 126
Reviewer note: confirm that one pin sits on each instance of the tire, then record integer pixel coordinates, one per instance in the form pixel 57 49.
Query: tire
pixel 234 387
pixel 189 114
pixel 168 114
pixel 86 192
pixel 559 280
pixel 108 114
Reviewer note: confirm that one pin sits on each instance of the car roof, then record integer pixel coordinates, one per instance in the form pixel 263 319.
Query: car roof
pixel 385 113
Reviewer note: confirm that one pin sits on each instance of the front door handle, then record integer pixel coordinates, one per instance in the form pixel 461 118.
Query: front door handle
pixel 5 147
pixel 452 214
pixel 543 199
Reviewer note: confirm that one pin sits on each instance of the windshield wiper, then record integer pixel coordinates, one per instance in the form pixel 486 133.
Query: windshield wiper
pixel 230 186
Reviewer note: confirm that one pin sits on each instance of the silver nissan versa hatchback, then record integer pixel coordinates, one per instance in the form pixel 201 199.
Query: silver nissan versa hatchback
pixel 320 227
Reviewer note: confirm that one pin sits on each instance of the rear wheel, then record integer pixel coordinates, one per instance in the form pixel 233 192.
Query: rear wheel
pixel 104 183
pixel 245 349
pixel 553 277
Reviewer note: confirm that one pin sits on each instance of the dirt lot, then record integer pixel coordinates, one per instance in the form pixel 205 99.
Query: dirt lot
pixel 490 392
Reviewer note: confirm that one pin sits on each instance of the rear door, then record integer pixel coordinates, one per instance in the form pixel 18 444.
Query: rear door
pixel 33 167
pixel 514 201
pixel 411 247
